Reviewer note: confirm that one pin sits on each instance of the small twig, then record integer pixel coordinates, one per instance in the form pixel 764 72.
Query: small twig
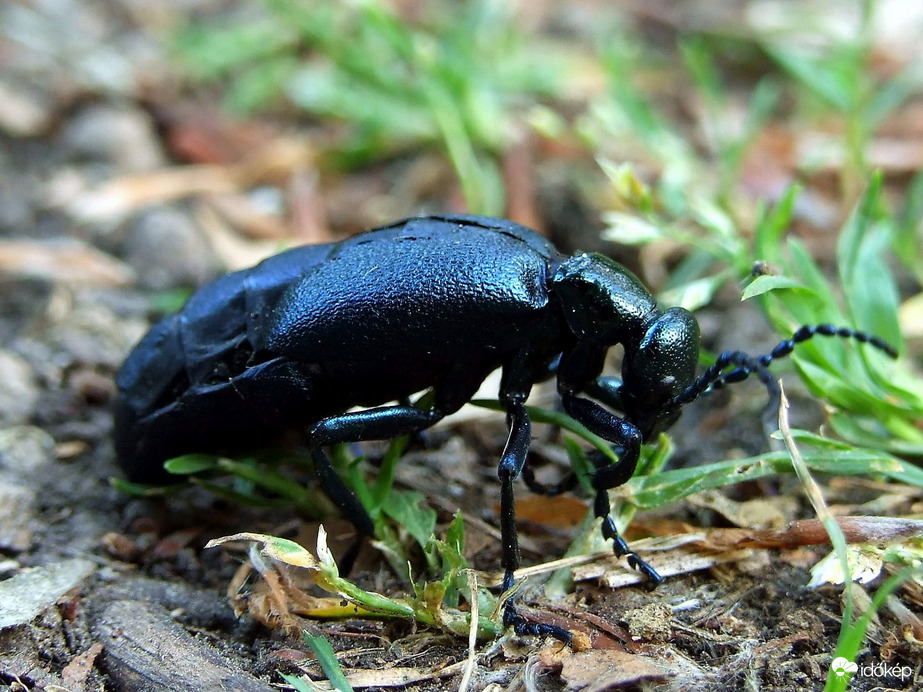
pixel 472 632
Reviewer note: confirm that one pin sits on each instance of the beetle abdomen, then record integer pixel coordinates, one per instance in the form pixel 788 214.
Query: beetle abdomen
pixel 317 329
pixel 194 383
pixel 243 412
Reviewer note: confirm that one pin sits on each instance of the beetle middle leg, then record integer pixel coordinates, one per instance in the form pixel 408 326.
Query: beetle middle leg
pixel 511 465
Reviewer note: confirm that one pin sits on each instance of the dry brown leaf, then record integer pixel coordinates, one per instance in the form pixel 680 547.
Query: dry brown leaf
pixel 519 174
pixel 561 511
pixel 70 448
pixel 895 156
pixel 306 207
pixel 705 549
pixel 875 530
pixel 273 163
pixel 70 262
pixel 758 513
pixel 595 632
pixel 607 669
pixel 240 212
pixel 75 673
pixel 908 620
pixel 203 133
pixel 169 546
pixel 233 250
pixel 827 154
pixel 615 572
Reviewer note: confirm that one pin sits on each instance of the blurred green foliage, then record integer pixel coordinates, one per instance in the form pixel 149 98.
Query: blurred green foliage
pixel 463 77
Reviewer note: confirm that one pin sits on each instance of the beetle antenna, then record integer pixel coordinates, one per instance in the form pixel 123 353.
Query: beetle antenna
pixel 715 377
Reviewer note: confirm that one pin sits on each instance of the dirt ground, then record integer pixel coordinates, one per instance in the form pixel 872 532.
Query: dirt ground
pixel 101 590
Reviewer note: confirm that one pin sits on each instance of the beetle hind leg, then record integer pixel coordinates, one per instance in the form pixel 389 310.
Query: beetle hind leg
pixel 380 423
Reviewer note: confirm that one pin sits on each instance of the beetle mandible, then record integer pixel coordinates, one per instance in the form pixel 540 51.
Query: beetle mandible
pixel 427 303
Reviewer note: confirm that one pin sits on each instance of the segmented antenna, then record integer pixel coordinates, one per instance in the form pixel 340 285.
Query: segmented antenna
pixel 715 377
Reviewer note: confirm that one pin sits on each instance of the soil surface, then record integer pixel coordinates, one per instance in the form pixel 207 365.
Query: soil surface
pixel 120 191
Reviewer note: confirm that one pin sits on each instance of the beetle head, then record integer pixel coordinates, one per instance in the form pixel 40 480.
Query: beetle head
pixel 605 304
pixel 658 368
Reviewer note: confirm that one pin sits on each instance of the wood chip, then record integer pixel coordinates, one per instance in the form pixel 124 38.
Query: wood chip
pixel 146 650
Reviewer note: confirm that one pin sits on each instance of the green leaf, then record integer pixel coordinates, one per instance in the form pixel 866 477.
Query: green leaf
pixel 765 284
pixel 867 282
pixel 852 633
pixel 328 661
pixel 580 464
pixel 851 236
pixel 455 535
pixel 630 229
pixel 908 245
pixel 407 508
pixel 191 463
pixel 140 489
pixel 820 305
pixel 213 51
pixel 298 683
pixel 451 555
pixel 238 496
pixel 384 479
pixel 845 388
pixel 820 76
pixel 892 94
pixel 260 475
pixel 907 442
pixel 259 85
pixel 695 294
pixel 650 492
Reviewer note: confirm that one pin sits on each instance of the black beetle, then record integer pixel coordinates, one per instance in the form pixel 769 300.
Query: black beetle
pixel 426 303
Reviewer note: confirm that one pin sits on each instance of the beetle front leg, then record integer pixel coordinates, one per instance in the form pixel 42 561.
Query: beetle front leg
pixel 608 390
pixel 628 438
pixel 602 509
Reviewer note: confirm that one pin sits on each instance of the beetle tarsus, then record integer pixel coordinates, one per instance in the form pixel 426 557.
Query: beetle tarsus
pixel 652 577
pixel 525 628
pixel 621 549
